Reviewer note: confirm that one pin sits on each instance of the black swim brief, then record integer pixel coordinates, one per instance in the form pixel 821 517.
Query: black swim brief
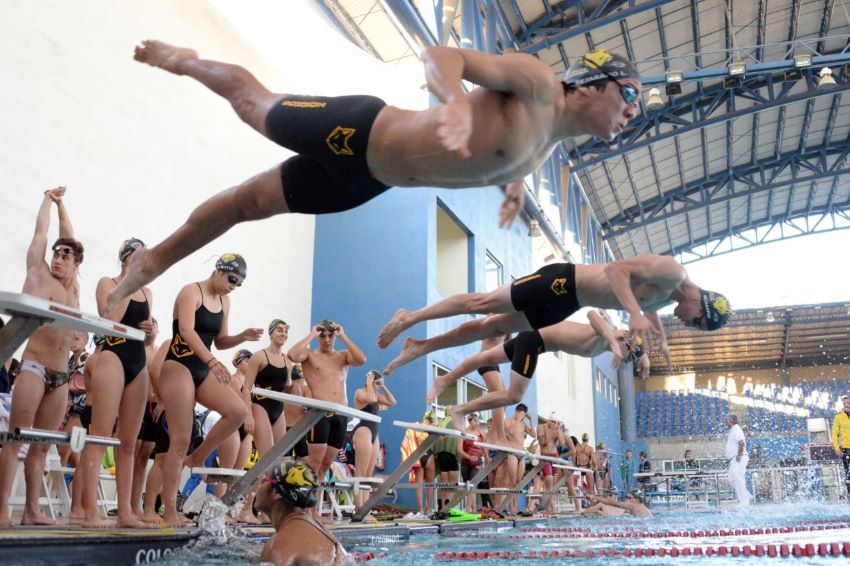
pixel 547 296
pixel 329 430
pixel 523 351
pixel 330 136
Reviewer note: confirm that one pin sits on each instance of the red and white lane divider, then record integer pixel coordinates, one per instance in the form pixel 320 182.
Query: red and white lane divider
pixel 825 549
pixel 366 556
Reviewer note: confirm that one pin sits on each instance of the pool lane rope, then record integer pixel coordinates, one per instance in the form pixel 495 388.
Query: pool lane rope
pixel 784 550
pixel 584 533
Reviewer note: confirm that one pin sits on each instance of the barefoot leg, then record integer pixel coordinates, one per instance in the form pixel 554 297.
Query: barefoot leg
pixel 250 99
pixel 257 198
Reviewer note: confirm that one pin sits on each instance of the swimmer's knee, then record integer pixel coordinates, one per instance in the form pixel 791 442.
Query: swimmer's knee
pixel 514 396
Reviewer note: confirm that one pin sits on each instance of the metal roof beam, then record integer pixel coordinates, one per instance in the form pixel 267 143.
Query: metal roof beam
pixel 582 24
pixel 828 212
pixel 756 178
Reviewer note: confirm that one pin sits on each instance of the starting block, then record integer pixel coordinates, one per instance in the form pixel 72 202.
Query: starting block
pixel 28 313
pixel 77 438
pixel 434 434
pixel 315 410
pixel 219 475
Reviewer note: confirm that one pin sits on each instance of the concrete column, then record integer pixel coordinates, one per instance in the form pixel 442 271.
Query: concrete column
pixel 628 419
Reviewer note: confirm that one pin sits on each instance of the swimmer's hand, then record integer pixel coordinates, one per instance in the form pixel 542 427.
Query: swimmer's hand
pixel 640 325
pixel 454 126
pixel 513 203
pixel 55 194
pixel 251 334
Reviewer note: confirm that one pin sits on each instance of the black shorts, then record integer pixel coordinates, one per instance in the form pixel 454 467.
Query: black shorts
pixel 146 433
pixel 331 137
pixel 300 449
pixel 330 430
pixel 468 470
pixel 547 296
pixel 445 462
pixel 523 351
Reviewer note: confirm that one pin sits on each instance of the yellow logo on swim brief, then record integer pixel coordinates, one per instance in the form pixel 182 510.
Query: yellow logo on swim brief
pixel 179 348
pixel 304 103
pixel 559 286
pixel 338 140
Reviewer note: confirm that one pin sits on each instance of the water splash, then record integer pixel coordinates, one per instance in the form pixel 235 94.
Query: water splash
pixel 213 518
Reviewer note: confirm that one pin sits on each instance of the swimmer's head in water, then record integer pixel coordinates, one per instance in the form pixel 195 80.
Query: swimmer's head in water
pixel 127 248
pixel 716 310
pixel 232 263
pixel 296 482
pixel 599 66
pixel 240 356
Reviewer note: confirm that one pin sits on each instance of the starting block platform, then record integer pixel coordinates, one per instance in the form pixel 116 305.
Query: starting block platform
pixel 434 434
pixel 28 313
pixel 77 438
pixel 315 410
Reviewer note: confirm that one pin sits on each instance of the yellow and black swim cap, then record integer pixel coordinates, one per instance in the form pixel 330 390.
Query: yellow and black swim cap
pixel 296 482
pixel 599 65
pixel 233 263
pixel 240 356
pixel 128 246
pixel 715 308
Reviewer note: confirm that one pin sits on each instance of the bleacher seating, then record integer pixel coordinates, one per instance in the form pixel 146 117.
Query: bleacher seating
pixel 769 409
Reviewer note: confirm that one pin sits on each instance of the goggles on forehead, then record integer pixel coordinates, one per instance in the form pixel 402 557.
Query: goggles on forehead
pixel 63 251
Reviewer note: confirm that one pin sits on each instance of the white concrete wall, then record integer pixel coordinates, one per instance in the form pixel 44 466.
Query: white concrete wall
pixel 139 148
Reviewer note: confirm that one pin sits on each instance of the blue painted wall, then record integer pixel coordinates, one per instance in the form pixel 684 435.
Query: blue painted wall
pixel 381 256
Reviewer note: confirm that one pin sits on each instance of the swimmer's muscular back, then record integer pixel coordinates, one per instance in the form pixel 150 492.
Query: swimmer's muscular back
pixel 326 375
pixel 512 128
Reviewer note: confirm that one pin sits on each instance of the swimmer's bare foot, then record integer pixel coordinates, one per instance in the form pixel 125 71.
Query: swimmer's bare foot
pixel 131 522
pixel 5 522
pixel 457 418
pixel 397 324
pixel 96 522
pixel 439 386
pixel 37 518
pixel 151 518
pixel 166 57
pixel 141 270
pixel 411 350
pixel 177 521
pixel 76 516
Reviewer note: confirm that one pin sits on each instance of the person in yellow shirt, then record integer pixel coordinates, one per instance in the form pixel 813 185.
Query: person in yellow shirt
pixel 841 428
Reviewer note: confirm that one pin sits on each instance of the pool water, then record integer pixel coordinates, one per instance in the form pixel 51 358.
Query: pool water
pixel 573 539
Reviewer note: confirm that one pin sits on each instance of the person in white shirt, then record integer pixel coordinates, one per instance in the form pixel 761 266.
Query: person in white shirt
pixel 736 453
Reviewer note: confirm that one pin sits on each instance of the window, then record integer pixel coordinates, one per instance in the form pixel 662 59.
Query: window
pixel 494 274
pixel 452 255
pixel 465 390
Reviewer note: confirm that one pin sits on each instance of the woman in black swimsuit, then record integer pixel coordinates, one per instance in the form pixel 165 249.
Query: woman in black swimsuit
pixel 192 373
pixel 267 369
pixel 371 398
pixel 119 388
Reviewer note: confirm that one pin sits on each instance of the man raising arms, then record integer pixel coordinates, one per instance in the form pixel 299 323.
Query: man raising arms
pixel 41 389
pixel 325 371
